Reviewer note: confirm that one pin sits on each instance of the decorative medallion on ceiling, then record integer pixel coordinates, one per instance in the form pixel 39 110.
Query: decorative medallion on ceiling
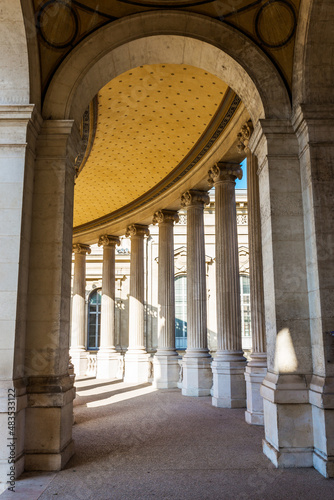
pixel 63 24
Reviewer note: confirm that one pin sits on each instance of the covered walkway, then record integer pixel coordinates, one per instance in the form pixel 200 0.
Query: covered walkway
pixel 135 442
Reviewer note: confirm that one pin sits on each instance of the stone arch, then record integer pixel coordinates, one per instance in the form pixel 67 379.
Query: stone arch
pixel 164 36
pixel 314 64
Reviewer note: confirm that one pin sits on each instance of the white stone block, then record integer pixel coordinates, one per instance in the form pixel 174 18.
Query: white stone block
pixel 197 376
pixel 166 372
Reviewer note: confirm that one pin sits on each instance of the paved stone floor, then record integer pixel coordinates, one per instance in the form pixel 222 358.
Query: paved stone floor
pixel 134 442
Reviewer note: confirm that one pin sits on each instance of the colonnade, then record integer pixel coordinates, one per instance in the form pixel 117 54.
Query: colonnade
pixel 227 377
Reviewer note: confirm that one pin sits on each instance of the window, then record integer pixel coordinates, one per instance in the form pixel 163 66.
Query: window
pixel 245 312
pixel 181 312
pixel 94 319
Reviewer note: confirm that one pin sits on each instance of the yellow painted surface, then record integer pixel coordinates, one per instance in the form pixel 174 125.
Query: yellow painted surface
pixel 148 120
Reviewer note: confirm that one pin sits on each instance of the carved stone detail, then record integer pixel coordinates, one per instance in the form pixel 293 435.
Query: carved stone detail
pixel 224 172
pixel 165 216
pixel 137 230
pixel 108 240
pixel 81 249
pixel 244 136
pixel 194 197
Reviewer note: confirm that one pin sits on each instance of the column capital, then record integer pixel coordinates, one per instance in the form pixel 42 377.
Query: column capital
pixel 224 172
pixel 162 216
pixel 194 197
pixel 81 249
pixel 137 230
pixel 106 240
pixel 244 136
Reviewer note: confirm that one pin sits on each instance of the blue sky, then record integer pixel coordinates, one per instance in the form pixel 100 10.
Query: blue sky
pixel 243 183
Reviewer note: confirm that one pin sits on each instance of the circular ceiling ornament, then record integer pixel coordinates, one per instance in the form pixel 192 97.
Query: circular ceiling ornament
pixel 57 23
pixel 166 4
pixel 275 23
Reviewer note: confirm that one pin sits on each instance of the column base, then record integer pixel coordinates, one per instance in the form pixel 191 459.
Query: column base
pixel 49 461
pixel 287 420
pixel 288 457
pixel 137 367
pixel 229 387
pixel 322 401
pixel 255 372
pixel 108 364
pixel 166 371
pixel 49 418
pixel 197 374
pixel 79 361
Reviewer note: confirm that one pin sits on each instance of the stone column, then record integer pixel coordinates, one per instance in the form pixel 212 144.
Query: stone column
pixel 257 366
pixel 78 330
pixel 166 366
pixel 285 388
pixel 136 357
pixel 315 132
pixel 107 357
pixel 197 375
pixel 228 367
pixel 49 415
pixel 19 128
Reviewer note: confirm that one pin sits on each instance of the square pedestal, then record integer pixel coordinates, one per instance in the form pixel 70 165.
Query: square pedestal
pixel 107 365
pixel 137 368
pixel 79 361
pixel 287 421
pixel 254 376
pixel 229 386
pixel 197 376
pixel 166 372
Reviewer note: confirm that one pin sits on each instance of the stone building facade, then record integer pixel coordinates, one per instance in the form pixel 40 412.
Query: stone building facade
pixel 227 81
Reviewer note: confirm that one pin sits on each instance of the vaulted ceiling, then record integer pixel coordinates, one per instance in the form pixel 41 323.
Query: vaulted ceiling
pixel 152 124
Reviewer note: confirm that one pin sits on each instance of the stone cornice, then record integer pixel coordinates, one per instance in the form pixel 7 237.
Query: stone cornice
pixel 81 249
pixel 106 240
pixel 163 216
pixel 224 172
pixel 194 197
pixel 137 230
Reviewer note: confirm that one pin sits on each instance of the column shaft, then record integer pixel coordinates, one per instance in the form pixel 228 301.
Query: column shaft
pixel 197 376
pixel 136 357
pixel 228 366
pixel 107 358
pixel 166 367
pixel 78 327
pixel 78 301
pixel 257 367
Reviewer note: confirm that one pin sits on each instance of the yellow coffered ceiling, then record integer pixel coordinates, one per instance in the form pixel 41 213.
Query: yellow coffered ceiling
pixel 150 121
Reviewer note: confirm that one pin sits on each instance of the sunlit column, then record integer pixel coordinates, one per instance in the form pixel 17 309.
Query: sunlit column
pixel 166 366
pixel 257 366
pixel 107 357
pixel 78 331
pixel 136 357
pixel 197 375
pixel 229 389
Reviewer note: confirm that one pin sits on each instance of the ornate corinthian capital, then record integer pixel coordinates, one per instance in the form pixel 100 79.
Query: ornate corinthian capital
pixel 194 197
pixel 224 172
pixel 244 136
pixel 137 230
pixel 81 248
pixel 165 216
pixel 107 240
